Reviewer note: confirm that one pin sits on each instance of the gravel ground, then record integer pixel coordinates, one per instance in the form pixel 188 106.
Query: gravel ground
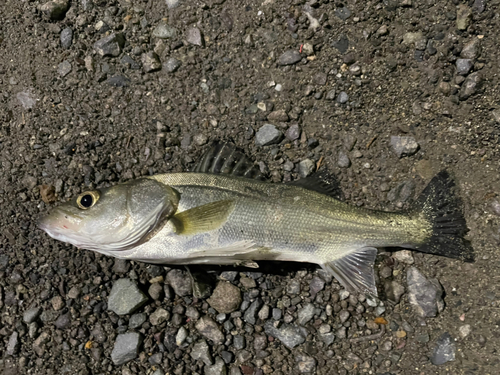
pixel 382 93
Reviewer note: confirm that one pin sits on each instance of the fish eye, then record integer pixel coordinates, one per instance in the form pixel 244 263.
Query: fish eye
pixel 87 199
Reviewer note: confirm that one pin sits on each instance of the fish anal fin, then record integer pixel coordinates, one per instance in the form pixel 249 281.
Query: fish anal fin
pixel 355 271
pixel 203 218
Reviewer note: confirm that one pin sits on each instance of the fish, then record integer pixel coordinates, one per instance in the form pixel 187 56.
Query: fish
pixel 224 212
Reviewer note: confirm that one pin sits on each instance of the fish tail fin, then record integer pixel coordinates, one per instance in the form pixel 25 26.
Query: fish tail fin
pixel 443 209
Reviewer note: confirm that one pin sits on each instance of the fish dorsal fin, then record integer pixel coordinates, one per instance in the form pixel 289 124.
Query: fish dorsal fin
pixel 203 218
pixel 355 271
pixel 321 182
pixel 226 158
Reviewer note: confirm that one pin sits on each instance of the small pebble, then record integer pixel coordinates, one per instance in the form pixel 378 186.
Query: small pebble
pixel 110 45
pixel 470 85
pixel 194 36
pixel 342 98
pixel 404 256
pixel 404 146
pixel 343 160
pixel 290 57
pixel 66 37
pixel 164 31
pixel 208 328
pixel 464 66
pixel 171 65
pixel 444 351
pixel 64 68
pixel 293 132
pixel 225 298
pixel 201 351
pixel 465 330
pixel 306 168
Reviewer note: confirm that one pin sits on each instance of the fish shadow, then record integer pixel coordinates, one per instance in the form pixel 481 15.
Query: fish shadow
pixel 276 268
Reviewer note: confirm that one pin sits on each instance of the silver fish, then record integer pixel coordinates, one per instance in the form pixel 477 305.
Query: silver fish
pixel 216 216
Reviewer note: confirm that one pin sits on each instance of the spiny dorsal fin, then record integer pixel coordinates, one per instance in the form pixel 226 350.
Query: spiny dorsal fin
pixel 226 158
pixel 204 218
pixel 321 182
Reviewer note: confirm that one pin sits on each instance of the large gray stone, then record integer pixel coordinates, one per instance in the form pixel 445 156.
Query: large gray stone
pixel 267 135
pixel 164 31
pixel 289 335
pixel 13 344
pixel 470 85
pixel 150 62
pixel 125 297
pixel 180 282
pixel 201 351
pixel 251 312
pixel 464 66
pixel 306 167
pixel 444 351
pixel 404 146
pixel 343 160
pixel 32 314
pixel 64 68
pixel 194 36
pixel 424 295
pixel 126 348
pixel 159 316
pixel 110 45
pixel 226 298
pixel 219 368
pixel 305 314
pixel 208 328
pixel 290 57
pixel 171 65
pixel 472 49
pixel 55 9
pixel 66 37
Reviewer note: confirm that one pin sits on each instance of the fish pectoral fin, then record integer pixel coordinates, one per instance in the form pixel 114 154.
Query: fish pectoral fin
pixel 204 218
pixel 355 271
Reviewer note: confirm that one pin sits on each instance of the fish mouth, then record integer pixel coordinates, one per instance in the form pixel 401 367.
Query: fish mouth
pixel 58 220
pixel 43 223
pixel 58 225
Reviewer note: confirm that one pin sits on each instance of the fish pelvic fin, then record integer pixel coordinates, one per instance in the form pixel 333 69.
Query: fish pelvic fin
pixel 355 271
pixel 203 218
pixel 440 205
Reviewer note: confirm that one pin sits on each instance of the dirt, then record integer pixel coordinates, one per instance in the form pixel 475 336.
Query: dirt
pixel 69 124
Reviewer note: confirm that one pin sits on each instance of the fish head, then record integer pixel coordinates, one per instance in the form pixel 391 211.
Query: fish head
pixel 112 219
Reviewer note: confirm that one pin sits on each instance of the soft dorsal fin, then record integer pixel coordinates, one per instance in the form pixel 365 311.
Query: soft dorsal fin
pixel 226 158
pixel 321 182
